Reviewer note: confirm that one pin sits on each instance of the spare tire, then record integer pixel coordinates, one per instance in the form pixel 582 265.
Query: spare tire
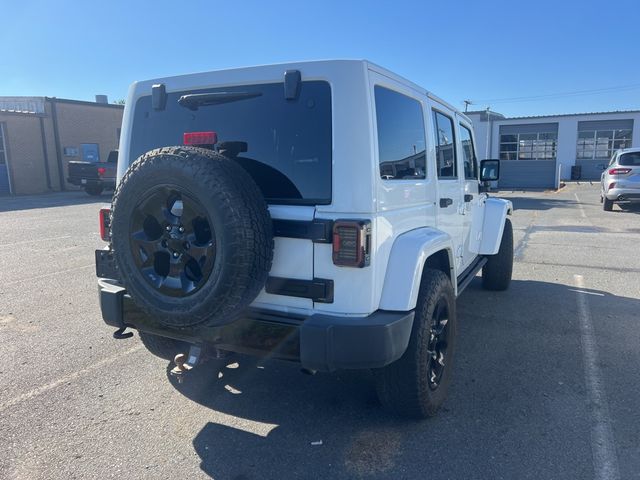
pixel 192 236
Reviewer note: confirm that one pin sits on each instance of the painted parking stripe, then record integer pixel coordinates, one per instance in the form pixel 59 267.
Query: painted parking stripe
pixel 605 459
pixel 34 241
pixel 45 275
pixel 36 392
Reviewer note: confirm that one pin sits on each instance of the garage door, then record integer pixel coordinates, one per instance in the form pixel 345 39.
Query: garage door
pixel 527 154
pixel 527 174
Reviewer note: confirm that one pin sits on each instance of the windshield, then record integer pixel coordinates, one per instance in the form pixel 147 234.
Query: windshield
pixel 288 142
pixel 629 159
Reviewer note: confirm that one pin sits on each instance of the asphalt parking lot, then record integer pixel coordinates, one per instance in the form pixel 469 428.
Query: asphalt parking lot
pixel 547 379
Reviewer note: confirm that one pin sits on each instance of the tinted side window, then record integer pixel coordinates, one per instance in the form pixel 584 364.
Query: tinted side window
pixel 445 146
pixel 470 161
pixel 401 136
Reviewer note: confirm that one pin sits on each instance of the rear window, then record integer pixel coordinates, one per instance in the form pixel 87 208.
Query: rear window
pixel 288 142
pixel 629 159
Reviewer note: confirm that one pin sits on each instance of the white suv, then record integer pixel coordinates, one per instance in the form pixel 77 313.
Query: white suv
pixel 620 182
pixel 323 212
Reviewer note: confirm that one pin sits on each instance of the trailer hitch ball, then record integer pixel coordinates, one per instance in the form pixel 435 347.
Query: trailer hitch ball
pixel 186 362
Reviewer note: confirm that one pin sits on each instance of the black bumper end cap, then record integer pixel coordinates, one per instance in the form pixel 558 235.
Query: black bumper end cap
pixel 111 298
pixel 329 343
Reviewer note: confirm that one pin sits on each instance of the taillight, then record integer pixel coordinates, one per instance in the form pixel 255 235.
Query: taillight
pixel 200 138
pixel 105 224
pixel 619 171
pixel 102 171
pixel 612 185
pixel 352 243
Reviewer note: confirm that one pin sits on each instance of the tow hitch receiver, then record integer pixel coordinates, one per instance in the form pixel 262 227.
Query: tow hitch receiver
pixel 186 363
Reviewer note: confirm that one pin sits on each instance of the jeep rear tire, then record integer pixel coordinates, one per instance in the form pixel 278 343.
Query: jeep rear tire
pixel 416 384
pixel 497 272
pixel 162 347
pixel 607 205
pixel 192 236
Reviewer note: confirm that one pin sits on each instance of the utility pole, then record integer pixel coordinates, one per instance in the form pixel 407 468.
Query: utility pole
pixel 466 105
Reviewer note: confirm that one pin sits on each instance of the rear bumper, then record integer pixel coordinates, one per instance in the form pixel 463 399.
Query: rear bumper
pixel 623 194
pixel 98 182
pixel 318 341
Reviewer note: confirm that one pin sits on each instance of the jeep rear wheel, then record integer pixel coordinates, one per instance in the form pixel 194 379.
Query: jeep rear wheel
pixel 607 205
pixel 192 236
pixel 497 272
pixel 416 385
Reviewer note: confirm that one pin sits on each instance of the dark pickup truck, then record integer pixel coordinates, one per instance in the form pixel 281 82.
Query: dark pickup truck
pixel 94 177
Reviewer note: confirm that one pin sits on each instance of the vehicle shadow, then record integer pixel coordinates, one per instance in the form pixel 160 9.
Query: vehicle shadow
pixel 627 208
pixel 47 200
pixel 504 416
pixel 537 203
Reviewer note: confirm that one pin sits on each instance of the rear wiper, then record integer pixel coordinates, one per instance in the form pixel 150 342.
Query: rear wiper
pixel 195 100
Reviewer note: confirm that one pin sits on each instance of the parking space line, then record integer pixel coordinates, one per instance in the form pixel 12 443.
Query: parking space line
pixel 66 379
pixel 522 244
pixel 582 212
pixel 44 275
pixel 34 241
pixel 587 293
pixel 605 460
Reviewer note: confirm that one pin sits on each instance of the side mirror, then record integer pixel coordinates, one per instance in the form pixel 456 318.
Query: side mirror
pixel 489 170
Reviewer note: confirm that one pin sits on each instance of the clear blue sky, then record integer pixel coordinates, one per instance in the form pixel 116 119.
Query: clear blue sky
pixel 476 49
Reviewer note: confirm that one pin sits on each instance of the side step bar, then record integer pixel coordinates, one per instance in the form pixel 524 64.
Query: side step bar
pixel 465 277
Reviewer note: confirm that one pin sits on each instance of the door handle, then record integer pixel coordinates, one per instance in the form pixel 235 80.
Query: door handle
pixel 468 198
pixel 445 202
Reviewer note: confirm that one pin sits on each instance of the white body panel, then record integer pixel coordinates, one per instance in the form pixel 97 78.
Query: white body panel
pixel 406 262
pixel 473 208
pixel 495 213
pixel 408 224
pixel 292 258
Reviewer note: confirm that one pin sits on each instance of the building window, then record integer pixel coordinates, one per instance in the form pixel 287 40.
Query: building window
pixel 445 146
pixel 71 151
pixel 528 146
pixel 470 160
pixel 401 136
pixel 600 144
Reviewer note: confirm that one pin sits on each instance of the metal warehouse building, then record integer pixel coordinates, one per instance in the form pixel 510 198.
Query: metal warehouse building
pixel 40 135
pixel 538 152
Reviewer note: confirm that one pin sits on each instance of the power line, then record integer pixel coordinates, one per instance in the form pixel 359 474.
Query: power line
pixel 559 95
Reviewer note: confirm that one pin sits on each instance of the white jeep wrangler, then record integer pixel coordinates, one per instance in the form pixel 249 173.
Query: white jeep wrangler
pixel 324 212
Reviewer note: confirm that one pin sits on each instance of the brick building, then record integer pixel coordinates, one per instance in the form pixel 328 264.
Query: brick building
pixel 40 135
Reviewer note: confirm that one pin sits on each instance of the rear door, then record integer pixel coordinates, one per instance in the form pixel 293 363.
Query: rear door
pixel 450 204
pixel 472 211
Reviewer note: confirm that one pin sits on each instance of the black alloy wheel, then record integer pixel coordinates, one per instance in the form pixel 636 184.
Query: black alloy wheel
pixel 172 241
pixel 438 343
